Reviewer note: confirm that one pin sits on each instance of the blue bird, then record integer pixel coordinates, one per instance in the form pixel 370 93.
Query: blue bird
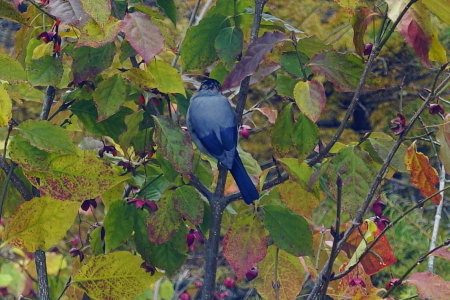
pixel 213 127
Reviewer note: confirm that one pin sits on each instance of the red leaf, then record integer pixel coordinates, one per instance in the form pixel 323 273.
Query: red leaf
pixel 143 36
pixel 443 252
pixel 380 256
pixel 430 286
pixel 423 175
pixel 245 244
pixel 255 54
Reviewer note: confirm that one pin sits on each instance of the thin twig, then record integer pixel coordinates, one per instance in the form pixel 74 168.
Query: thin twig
pixel 16 181
pixel 48 101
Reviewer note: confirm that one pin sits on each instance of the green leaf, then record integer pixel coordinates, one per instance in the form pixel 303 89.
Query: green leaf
pixel 8 12
pixel 343 70
pixel 169 8
pixel 285 86
pixel 89 62
pixel 189 204
pixel 357 171
pixel 282 130
pixel 289 230
pixel 40 223
pixel 5 106
pixel 305 136
pixel 163 224
pixel 96 241
pixel 28 157
pixel 228 45
pixel 94 35
pixel 202 169
pixel 109 96
pixel 168 78
pixel 10 69
pixel 140 78
pixel 171 255
pixel 47 136
pixel 197 49
pixel 112 126
pixel 133 121
pixel 289 61
pixel 439 8
pixel 101 276
pixel 174 144
pixel 245 244
pixel 310 98
pixel 46 70
pixel 116 230
pixel 12 199
pixel 312 45
pixel 24 91
pixel 126 51
pixel 99 10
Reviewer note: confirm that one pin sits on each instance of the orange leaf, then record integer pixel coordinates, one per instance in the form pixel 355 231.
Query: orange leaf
pixel 356 285
pixel 379 257
pixel 423 175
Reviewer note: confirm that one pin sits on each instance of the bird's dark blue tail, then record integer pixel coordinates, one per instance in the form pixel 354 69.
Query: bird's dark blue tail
pixel 243 181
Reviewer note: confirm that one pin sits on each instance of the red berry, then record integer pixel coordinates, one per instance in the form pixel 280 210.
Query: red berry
pixel 391 283
pixel 142 99
pixel 57 48
pixel 252 274
pixel 57 22
pixel 368 48
pixel 378 207
pixel 185 296
pixel 229 282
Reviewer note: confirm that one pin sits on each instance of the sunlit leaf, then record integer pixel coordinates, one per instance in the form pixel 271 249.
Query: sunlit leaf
pixel 140 78
pixel 423 175
pixel 305 136
pixel 310 98
pixel 24 91
pixel 11 70
pixel 99 10
pixel 245 244
pixel 437 51
pixel 197 49
pixel 93 35
pixel 145 37
pixel 254 55
pixel 440 8
pixel 430 286
pixel 41 223
pixel 168 79
pixel 290 274
pixel 5 106
pixel 117 275
pixel 47 136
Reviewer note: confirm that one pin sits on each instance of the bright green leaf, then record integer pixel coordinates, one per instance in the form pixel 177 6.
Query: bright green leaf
pixel 305 136
pixel 10 69
pixel 96 241
pixel 289 61
pixel 24 91
pixel 285 86
pixel 117 275
pixel 5 106
pixel 41 223
pixel 93 35
pixel 47 136
pixel 168 79
pixel 99 10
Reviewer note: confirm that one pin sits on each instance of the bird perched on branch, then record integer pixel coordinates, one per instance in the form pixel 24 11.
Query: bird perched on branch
pixel 213 127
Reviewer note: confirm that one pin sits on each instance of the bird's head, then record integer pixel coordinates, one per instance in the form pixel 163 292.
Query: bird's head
pixel 210 85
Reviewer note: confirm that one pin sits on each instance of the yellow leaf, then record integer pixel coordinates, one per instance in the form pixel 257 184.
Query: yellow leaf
pixel 41 223
pixel 348 4
pixel 423 175
pixel 437 51
pixel 42 50
pixel 290 275
pixel 5 106
pixel 441 8
pixel 117 275
pixel 368 237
